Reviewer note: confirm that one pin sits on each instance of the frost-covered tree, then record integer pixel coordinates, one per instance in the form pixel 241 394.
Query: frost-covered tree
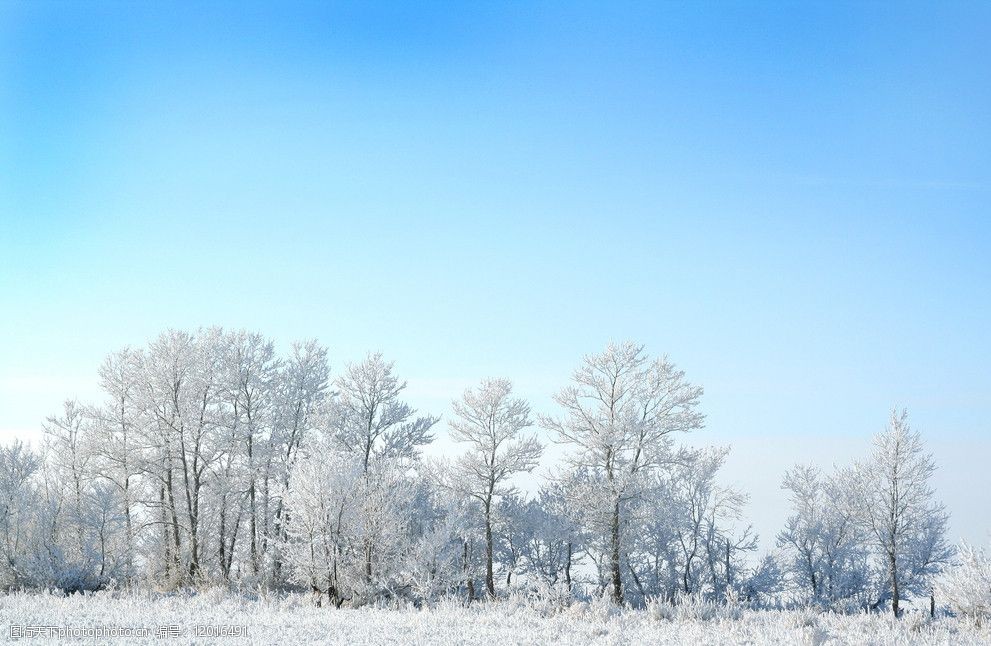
pixel 68 446
pixel 709 550
pixel 323 502
pixel 368 421
pixel 895 503
pixel 118 453
pixel 491 421
pixel 18 507
pixel 538 537
pixel 79 539
pixel 251 369
pixel 825 547
pixel 619 414
pixel 368 418
pixel 300 391
pixel 185 394
pixel 434 562
pixel 684 543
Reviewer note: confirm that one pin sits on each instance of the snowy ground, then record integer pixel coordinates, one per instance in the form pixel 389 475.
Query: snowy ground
pixel 294 620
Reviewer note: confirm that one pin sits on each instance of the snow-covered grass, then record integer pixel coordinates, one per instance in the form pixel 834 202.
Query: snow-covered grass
pixel 294 619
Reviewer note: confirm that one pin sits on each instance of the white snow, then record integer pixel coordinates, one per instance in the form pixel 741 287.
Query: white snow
pixel 294 619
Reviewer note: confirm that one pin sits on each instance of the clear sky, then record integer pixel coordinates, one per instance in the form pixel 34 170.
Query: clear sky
pixel 791 200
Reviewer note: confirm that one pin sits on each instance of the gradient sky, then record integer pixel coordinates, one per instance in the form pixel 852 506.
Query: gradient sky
pixel 790 200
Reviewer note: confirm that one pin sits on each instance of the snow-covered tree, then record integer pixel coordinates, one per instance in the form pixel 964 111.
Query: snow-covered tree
pixel 825 547
pixel 895 503
pixel 369 420
pixel 323 502
pixel 491 421
pixel 18 508
pixel 300 391
pixel 538 537
pixel 684 541
pixel 252 367
pixel 618 417
pixel 118 454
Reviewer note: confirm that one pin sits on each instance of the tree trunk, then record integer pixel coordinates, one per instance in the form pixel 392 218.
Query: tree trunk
pixel 252 510
pixel 177 544
pixel 617 575
pixel 469 581
pixel 489 579
pixel 729 573
pixel 222 536
pixel 368 561
pixel 567 567
pixel 129 525
pixel 165 532
pixel 893 566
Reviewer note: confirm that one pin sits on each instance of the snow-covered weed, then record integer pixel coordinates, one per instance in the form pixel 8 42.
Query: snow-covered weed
pixel 526 618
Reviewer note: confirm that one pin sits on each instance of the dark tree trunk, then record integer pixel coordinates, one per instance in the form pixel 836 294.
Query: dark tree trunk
pixel 469 581
pixel 252 509
pixel 489 577
pixel 174 520
pixel 222 536
pixel 729 572
pixel 617 575
pixel 567 567
pixel 893 567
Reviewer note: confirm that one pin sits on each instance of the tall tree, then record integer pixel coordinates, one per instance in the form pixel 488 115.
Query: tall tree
pixel 368 419
pixel 896 504
pixel 618 417
pixel 302 387
pixel 119 453
pixel 253 368
pixel 492 421
pixel 18 466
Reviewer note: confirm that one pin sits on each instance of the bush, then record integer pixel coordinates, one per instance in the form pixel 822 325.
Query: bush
pixel 966 587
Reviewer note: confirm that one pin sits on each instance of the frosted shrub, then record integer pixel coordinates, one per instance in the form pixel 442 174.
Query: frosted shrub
pixel 802 617
pixel 694 607
pixel 660 610
pixel 540 597
pixel 966 587
pixel 690 607
pixel 602 607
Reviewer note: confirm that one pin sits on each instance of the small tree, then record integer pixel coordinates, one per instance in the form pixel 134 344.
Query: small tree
pixel 491 421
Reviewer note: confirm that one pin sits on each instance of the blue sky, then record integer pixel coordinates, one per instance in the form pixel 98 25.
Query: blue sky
pixel 791 200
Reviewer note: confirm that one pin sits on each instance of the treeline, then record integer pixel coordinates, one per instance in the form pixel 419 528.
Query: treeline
pixel 213 460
